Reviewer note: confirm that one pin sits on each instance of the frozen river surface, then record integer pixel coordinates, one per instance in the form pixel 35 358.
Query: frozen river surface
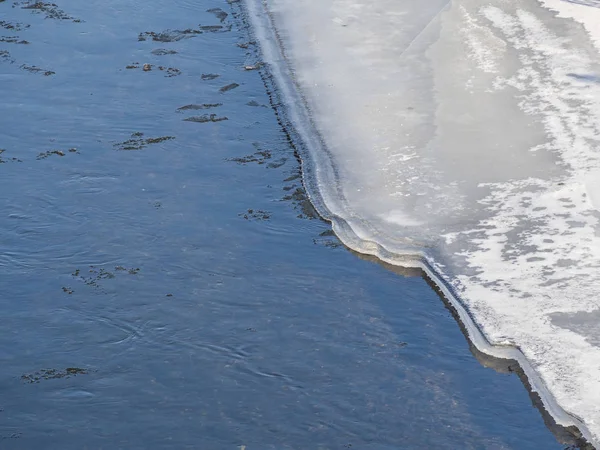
pixel 164 281
pixel 463 137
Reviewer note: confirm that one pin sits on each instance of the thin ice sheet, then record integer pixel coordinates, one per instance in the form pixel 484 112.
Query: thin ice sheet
pixel 468 134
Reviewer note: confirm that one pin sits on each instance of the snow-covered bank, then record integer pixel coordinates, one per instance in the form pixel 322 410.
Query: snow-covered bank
pixel 463 138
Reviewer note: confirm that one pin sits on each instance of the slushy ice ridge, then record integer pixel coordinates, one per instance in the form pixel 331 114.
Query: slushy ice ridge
pixel 464 137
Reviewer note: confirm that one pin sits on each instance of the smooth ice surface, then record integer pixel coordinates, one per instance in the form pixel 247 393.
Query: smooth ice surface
pixel 466 134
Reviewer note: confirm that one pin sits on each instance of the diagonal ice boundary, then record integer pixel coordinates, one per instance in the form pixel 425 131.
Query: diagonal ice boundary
pixel 506 201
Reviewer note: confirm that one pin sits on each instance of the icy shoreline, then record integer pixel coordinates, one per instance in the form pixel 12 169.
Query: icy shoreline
pixel 569 398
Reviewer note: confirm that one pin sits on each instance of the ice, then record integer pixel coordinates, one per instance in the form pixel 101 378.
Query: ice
pixel 463 138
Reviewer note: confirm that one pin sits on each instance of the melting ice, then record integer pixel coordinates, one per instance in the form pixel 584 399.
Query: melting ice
pixel 466 133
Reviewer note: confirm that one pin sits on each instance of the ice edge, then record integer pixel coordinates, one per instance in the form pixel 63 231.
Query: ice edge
pixel 316 160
